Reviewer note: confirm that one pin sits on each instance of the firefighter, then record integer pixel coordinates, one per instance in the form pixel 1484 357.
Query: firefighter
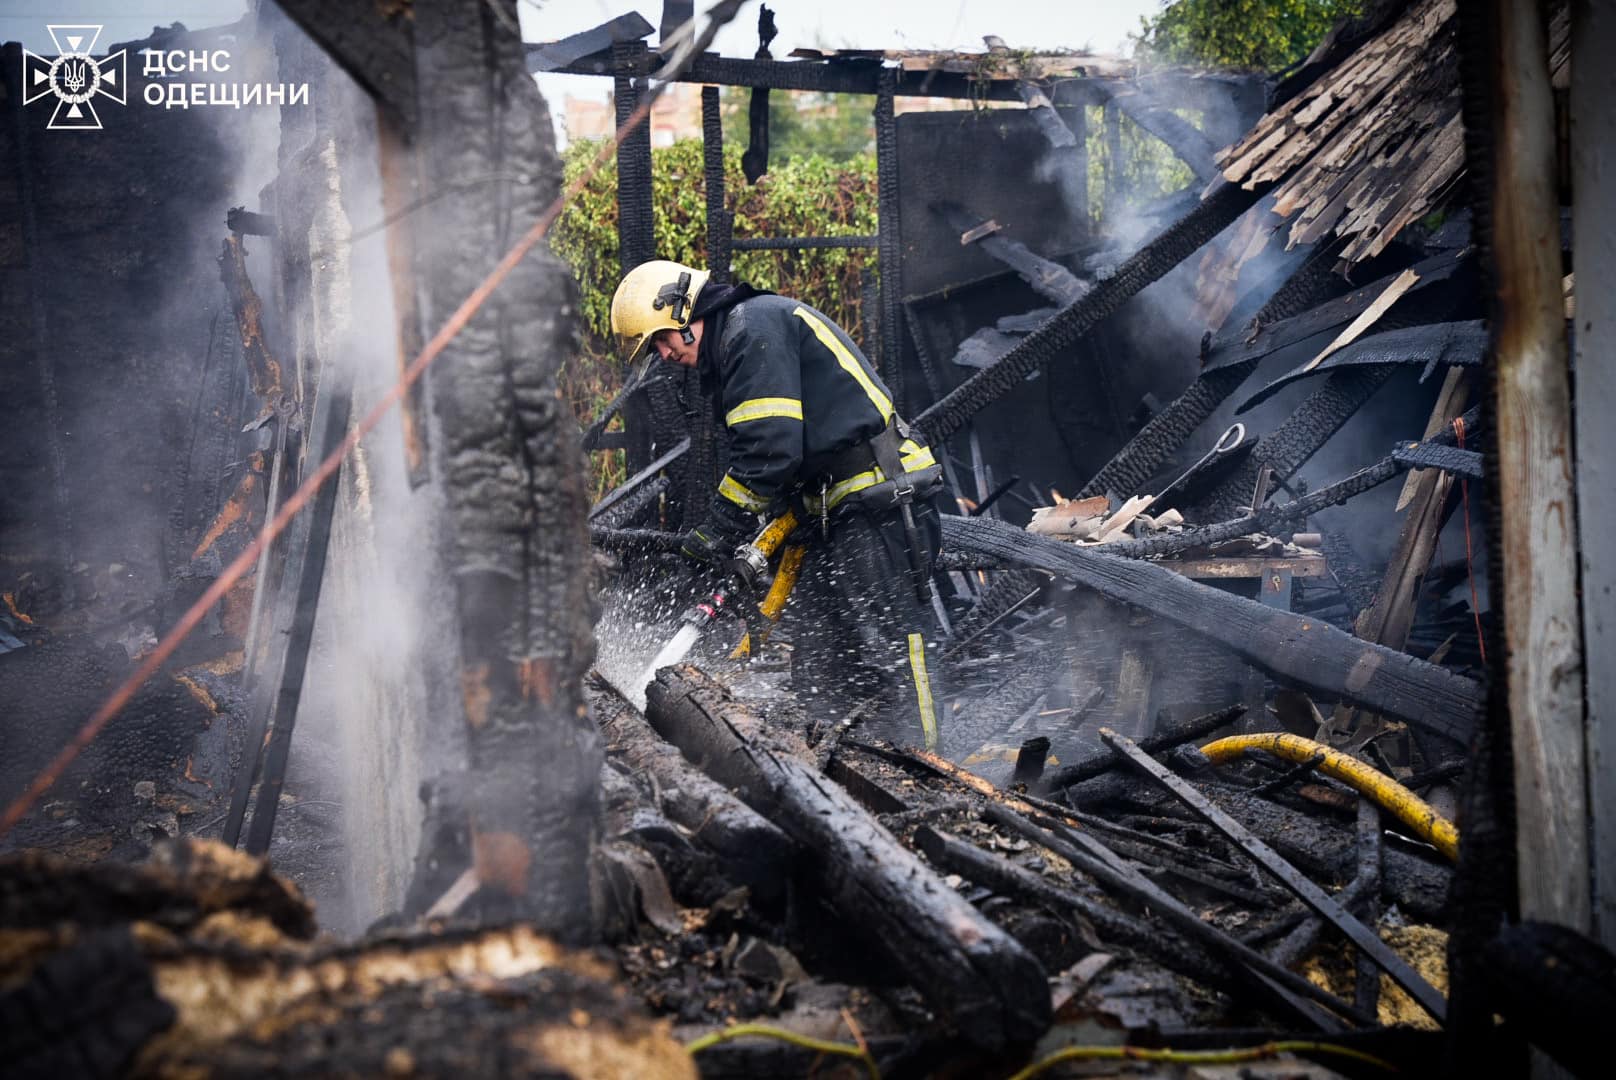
pixel 812 427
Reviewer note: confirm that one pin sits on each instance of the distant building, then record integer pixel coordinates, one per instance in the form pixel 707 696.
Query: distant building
pixel 676 115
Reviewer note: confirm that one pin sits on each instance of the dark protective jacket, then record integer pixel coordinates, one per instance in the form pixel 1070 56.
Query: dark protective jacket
pixel 802 405
pixel 796 394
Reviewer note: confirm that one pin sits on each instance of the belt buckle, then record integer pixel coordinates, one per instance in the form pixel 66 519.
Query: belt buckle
pixel 902 493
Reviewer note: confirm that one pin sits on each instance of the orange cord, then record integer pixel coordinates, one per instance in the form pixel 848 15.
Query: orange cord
pixel 1470 559
pixel 324 472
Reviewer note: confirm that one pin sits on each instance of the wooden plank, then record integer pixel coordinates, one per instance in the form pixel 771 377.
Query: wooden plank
pixel 1593 126
pixel 1371 315
pixel 1543 659
pixel 1305 566
pixel 1390 618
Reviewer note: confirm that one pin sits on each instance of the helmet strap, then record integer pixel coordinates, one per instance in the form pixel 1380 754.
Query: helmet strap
pixel 686 335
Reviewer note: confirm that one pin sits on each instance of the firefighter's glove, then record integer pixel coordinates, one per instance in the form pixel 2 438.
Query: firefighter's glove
pixel 708 547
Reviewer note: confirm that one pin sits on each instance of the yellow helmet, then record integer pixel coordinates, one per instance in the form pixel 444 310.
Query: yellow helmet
pixel 655 295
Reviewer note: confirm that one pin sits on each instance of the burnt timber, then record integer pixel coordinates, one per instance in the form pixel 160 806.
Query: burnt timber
pixel 925 912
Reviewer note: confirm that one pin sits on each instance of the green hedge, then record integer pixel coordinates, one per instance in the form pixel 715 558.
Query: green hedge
pixel 805 196
pixel 810 196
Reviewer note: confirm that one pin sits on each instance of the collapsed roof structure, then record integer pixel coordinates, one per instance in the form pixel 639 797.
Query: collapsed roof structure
pixel 1069 868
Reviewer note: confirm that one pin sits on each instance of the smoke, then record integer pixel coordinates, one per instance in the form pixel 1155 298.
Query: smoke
pixel 377 717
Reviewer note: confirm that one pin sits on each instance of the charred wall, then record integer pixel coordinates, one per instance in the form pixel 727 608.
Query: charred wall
pixel 122 398
pixel 115 344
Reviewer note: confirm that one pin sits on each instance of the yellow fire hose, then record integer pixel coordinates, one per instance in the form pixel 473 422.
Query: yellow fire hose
pixel 1406 806
pixel 774 602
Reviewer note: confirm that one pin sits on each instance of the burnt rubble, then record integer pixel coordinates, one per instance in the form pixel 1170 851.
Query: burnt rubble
pixel 1233 731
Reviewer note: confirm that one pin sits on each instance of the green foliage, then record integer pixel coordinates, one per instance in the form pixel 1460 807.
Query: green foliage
pixel 839 127
pixel 801 196
pixel 1262 35
pixel 1130 167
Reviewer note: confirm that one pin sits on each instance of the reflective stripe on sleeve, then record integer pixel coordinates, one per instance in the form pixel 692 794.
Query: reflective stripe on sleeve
pixel 741 495
pixel 917 668
pixel 849 362
pixel 762 408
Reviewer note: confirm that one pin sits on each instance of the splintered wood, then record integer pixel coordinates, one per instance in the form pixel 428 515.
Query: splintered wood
pixel 1373 144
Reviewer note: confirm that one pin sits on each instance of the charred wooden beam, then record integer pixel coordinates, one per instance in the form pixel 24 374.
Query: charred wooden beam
pixel 985 984
pixel 1303 936
pixel 806 75
pixel 1288 447
pixel 753 851
pixel 1284 989
pixel 1049 279
pixel 1447 459
pixel 263 369
pixel 513 477
pixel 1058 336
pixel 1302 652
pixel 555 55
pixel 1371 848
pixel 1325 849
pixel 1104 761
pixel 637 503
pixel 1182 137
pixel 302 597
pixel 1265 336
pixel 1113 926
pixel 1038 104
pixel 627 487
pixel 1557 986
pixel 1429 998
pixel 1451 344
pixel 1288 515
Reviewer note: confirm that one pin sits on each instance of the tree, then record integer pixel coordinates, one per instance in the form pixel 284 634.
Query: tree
pixel 1261 35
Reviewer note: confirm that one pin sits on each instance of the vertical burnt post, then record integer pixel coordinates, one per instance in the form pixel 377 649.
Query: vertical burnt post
pixel 712 157
pixel 400 188
pixel 636 239
pixel 514 480
pixel 1593 133
pixel 636 234
pixel 1543 656
pixel 890 237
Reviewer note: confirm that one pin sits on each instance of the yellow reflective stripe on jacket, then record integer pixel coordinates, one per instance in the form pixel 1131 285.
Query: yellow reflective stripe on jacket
pixel 915 457
pixel 849 362
pixel 917 668
pixel 762 408
pixel 741 495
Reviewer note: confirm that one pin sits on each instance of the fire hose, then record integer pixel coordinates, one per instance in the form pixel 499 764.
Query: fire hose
pixel 1387 793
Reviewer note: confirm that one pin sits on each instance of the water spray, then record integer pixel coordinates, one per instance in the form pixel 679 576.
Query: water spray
pixel 746 571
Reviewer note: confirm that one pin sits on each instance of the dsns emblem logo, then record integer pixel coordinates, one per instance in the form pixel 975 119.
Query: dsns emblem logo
pixel 75 77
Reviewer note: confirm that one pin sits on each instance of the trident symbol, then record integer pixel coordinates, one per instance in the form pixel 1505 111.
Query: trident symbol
pixel 74 74
pixel 74 77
